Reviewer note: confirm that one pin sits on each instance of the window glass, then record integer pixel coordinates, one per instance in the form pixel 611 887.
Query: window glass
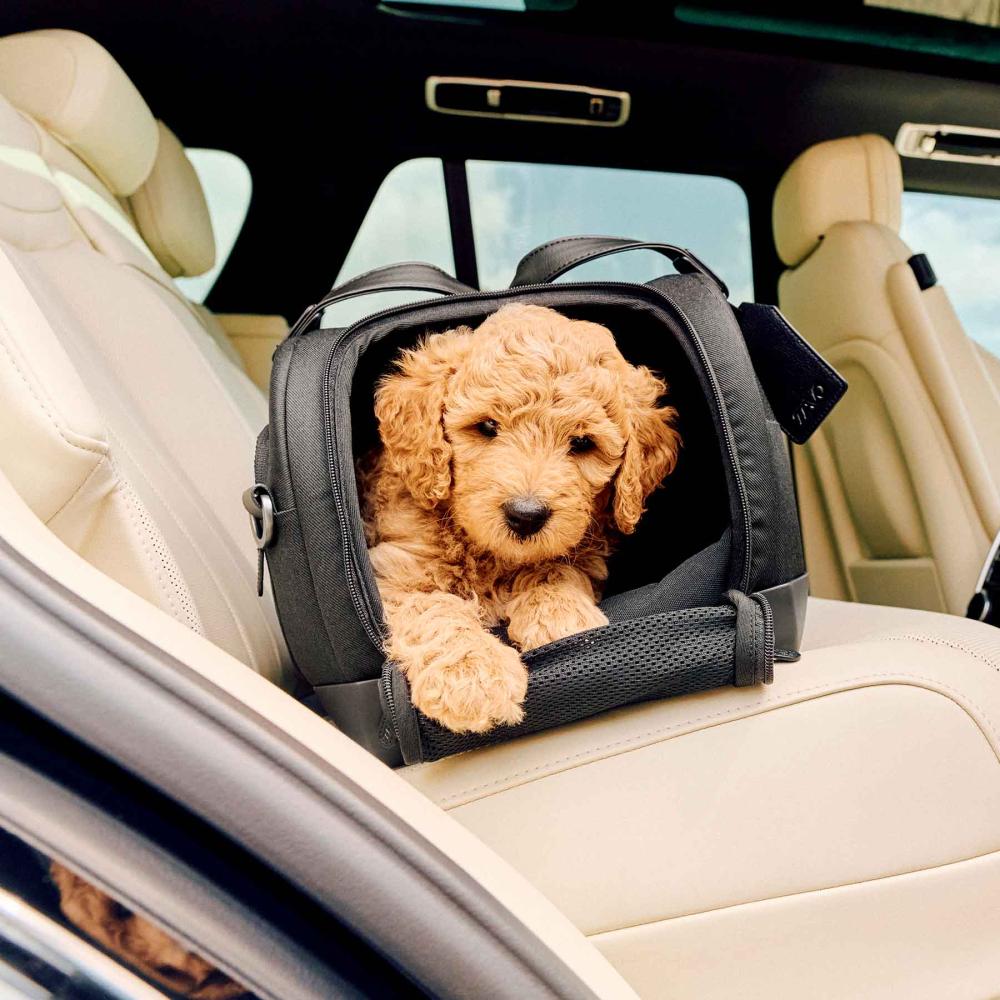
pixel 516 206
pixel 407 220
pixel 227 185
pixel 62 937
pixel 961 237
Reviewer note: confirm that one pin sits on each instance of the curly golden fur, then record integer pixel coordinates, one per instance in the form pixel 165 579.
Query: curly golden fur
pixel 140 943
pixel 531 408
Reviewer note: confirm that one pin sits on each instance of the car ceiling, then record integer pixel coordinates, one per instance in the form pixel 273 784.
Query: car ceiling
pixel 323 97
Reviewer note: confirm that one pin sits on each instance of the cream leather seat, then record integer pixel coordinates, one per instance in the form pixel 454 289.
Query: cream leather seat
pixel 125 424
pixel 900 489
pixel 836 834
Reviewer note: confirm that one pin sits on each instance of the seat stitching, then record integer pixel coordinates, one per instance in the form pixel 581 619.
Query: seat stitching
pixel 633 742
pixel 591 935
pixel 223 591
pixel 96 449
pixel 104 460
pixel 931 640
pixel 552 243
pixel 251 659
pixel 21 210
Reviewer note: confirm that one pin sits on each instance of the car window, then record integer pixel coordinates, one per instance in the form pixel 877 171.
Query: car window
pixel 407 220
pixel 961 237
pixel 61 936
pixel 516 206
pixel 226 181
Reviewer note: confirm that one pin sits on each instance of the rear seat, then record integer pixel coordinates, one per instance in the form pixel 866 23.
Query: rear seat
pixel 798 840
pixel 125 424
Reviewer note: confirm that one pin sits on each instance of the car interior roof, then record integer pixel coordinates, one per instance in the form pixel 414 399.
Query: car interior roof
pixel 322 98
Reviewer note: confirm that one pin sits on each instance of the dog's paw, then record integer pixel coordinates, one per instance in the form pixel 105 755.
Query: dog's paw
pixel 482 686
pixel 531 631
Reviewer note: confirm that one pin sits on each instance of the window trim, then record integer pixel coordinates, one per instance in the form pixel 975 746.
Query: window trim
pixel 463 241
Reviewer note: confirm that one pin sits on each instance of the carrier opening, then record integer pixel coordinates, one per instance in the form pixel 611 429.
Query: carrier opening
pixel 687 516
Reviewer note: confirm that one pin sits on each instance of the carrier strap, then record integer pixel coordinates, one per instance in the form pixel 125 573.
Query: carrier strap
pixel 753 649
pixel 550 260
pixel 410 276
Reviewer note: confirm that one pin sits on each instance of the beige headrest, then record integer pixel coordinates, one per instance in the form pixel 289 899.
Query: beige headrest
pixel 171 212
pixel 73 88
pixel 857 179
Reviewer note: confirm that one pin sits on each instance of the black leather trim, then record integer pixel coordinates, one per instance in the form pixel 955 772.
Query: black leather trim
pixel 800 386
pixel 922 271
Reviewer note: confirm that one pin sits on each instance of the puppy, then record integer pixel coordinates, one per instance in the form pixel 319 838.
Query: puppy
pixel 138 942
pixel 511 457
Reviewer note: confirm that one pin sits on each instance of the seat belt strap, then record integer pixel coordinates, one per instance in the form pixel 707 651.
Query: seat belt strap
pixel 985 603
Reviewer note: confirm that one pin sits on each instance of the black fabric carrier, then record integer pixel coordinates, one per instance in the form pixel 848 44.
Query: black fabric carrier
pixel 709 591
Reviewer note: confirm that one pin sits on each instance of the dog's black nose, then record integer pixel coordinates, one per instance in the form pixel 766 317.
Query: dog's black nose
pixel 526 515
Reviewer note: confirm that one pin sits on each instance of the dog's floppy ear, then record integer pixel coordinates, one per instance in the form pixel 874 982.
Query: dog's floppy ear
pixel 651 447
pixel 409 406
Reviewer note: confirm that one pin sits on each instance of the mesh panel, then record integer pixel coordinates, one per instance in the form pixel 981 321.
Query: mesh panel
pixel 657 657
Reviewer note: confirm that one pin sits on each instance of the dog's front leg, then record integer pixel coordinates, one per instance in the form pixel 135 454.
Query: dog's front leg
pixel 459 674
pixel 551 603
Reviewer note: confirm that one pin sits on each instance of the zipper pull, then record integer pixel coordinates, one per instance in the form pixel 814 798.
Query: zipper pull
pixel 260 572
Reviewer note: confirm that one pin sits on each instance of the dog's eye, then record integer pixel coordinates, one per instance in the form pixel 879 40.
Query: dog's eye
pixel 488 428
pixel 580 445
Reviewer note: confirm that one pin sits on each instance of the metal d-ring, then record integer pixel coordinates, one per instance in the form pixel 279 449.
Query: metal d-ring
pixel 259 505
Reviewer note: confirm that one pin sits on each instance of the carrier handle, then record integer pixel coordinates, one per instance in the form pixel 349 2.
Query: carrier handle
pixel 550 260
pixel 411 275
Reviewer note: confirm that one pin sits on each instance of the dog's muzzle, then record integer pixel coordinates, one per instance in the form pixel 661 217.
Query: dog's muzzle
pixel 526 516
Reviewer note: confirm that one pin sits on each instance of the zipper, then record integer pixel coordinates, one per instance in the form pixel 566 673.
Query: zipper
pixel 392 731
pixel 741 489
pixel 765 605
pixel 359 598
pixel 769 651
